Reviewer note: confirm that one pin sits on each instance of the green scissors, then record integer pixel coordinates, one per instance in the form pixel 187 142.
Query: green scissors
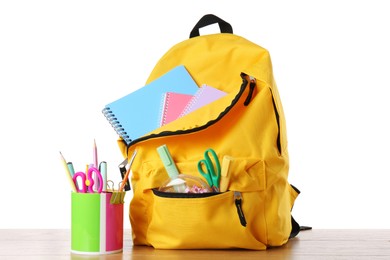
pixel 212 174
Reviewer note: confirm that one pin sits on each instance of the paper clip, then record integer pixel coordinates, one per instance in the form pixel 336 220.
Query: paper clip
pixel 110 189
pixel 117 197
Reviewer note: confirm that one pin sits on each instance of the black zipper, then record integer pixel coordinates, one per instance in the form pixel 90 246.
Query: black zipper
pixel 252 85
pixel 211 122
pixel 240 212
pixel 278 142
pixel 181 195
pixel 237 199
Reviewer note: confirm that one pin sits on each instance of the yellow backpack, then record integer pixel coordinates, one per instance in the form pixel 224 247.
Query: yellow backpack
pixel 247 124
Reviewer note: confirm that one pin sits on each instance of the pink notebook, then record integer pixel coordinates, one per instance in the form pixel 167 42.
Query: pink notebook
pixel 172 105
pixel 205 95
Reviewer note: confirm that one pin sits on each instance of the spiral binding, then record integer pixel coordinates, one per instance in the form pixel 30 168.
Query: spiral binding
pixel 193 100
pixel 163 108
pixel 116 124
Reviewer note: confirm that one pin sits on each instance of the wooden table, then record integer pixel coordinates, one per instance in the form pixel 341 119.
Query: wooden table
pixel 312 244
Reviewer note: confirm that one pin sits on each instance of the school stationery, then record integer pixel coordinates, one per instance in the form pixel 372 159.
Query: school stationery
pixel 224 182
pixel 69 175
pixel 205 95
pixel 88 180
pixel 118 197
pixel 96 225
pixel 103 171
pixel 122 170
pixel 125 178
pixel 96 222
pixel 136 114
pixel 172 105
pixel 185 185
pixel 71 168
pixel 212 174
pixel 247 124
pixel 168 162
pixel 95 154
pixel 178 184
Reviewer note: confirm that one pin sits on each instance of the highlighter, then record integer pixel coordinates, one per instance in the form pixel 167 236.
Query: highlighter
pixel 224 182
pixel 168 162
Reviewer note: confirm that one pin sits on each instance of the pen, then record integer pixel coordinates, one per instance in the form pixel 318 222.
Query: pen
pixel 128 171
pixel 71 169
pixel 103 172
pixel 68 173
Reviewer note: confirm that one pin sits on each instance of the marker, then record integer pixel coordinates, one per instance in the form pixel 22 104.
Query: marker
pixel 69 175
pixel 170 167
pixel 224 182
pixel 168 162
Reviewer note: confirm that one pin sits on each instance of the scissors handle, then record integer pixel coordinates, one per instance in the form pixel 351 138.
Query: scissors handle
pixel 87 180
pixel 83 179
pixel 206 173
pixel 99 177
pixel 212 174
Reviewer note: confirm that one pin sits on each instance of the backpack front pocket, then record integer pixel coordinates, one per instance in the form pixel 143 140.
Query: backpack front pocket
pixel 200 221
pixel 231 219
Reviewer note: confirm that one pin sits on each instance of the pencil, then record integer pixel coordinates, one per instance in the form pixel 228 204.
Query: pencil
pixel 69 175
pixel 95 154
pixel 127 172
pixel 123 183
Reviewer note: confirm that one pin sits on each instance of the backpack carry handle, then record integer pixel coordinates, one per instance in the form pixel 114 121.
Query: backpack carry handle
pixel 209 19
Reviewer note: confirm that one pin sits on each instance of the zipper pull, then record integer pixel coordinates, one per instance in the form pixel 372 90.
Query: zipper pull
pixel 252 85
pixel 238 202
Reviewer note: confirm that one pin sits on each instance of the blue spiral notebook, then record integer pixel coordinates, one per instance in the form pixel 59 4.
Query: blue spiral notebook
pixel 136 114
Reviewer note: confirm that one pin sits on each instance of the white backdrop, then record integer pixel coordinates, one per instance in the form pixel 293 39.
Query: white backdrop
pixel 62 61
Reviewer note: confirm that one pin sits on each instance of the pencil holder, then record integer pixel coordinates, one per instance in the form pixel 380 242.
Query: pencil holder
pixel 97 225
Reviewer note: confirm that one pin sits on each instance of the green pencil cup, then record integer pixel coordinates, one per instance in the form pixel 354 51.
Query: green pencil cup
pixel 97 225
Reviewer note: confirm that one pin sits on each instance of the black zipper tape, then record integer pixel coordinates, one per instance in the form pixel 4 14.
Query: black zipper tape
pixel 211 122
pixel 183 195
pixel 240 212
pixel 252 86
pixel 278 142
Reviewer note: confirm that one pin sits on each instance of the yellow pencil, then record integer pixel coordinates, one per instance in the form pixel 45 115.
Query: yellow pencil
pixel 69 175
